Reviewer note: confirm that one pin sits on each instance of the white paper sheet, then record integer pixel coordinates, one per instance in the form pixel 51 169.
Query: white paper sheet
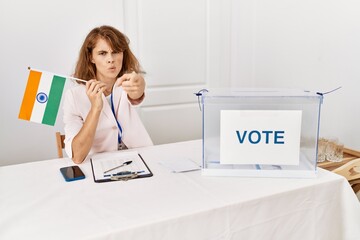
pixel 178 164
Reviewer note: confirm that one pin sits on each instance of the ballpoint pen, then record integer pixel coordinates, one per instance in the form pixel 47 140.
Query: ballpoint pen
pixel 123 173
pixel 124 164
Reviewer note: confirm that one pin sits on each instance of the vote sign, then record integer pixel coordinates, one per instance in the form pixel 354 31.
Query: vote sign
pixel 270 137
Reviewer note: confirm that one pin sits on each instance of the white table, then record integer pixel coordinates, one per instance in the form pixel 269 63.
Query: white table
pixel 36 203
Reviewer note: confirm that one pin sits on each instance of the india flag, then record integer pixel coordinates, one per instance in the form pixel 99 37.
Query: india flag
pixel 42 97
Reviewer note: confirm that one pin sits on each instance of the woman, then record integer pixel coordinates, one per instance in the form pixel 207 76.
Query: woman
pixel 99 116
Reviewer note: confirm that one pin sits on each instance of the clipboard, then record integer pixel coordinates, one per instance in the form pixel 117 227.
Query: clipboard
pixel 115 166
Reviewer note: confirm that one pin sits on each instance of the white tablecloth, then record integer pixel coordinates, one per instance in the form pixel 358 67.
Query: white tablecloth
pixel 36 203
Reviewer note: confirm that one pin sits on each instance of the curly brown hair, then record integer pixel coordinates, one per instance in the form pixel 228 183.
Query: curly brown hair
pixel 86 70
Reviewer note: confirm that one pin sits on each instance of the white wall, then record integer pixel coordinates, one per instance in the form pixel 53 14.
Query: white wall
pixel 308 44
pixel 183 48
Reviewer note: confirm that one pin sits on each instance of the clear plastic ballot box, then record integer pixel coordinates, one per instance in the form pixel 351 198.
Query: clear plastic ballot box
pixel 260 132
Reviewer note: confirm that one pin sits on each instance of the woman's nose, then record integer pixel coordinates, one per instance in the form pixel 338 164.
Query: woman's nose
pixel 110 59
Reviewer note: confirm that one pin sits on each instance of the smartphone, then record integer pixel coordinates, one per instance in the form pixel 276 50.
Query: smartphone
pixel 72 173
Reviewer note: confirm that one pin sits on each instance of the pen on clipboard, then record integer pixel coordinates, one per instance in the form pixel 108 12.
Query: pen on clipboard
pixel 124 164
pixel 123 173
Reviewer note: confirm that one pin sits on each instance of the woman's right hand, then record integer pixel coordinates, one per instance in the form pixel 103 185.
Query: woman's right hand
pixel 83 141
pixel 94 91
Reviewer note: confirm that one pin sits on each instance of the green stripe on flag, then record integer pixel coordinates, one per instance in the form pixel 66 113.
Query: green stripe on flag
pixel 52 106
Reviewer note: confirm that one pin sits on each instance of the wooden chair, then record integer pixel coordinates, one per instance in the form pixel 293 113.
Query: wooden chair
pixel 60 143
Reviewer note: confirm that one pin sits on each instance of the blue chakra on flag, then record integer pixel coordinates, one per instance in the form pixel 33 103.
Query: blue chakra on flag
pixel 41 97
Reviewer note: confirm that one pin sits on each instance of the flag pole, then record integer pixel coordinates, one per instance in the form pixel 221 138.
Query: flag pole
pixel 67 77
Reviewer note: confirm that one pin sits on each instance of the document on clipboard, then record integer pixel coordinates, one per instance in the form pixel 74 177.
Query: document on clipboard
pixel 118 166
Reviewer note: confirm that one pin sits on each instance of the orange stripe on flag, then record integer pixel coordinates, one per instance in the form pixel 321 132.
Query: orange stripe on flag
pixel 30 95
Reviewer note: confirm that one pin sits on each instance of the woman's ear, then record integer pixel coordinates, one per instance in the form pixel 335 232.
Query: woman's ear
pixel 90 56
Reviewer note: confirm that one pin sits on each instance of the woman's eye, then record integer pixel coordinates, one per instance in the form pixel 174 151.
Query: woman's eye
pixel 102 53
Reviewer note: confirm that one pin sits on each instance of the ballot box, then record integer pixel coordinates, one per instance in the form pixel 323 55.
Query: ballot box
pixel 260 132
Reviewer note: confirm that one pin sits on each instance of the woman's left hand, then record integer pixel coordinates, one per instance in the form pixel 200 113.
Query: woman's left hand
pixel 133 84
